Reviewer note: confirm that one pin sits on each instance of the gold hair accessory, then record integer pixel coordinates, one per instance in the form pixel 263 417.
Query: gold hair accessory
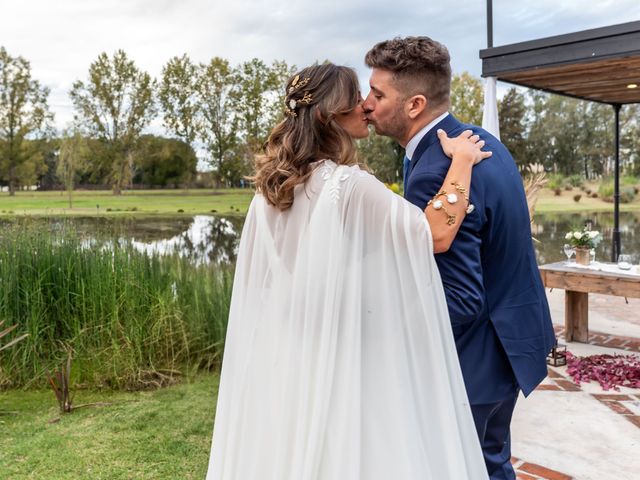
pixel 292 105
pixel 297 86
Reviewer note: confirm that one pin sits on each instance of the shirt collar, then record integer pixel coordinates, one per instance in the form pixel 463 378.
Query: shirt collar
pixel 415 140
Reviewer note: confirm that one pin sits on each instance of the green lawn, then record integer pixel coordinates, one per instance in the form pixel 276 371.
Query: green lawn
pixel 548 202
pixel 145 202
pixel 224 201
pixel 162 434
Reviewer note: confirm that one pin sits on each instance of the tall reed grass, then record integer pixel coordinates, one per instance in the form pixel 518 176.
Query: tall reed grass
pixel 130 319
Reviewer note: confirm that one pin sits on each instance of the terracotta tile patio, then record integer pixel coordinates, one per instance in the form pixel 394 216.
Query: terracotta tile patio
pixel 629 344
pixel 565 431
pixel 531 471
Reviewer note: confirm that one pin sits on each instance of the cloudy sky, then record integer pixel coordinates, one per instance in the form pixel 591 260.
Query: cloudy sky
pixel 61 38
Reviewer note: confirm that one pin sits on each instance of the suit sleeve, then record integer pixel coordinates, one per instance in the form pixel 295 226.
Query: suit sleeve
pixel 461 266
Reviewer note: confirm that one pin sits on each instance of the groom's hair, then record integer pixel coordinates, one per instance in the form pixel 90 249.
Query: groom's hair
pixel 419 65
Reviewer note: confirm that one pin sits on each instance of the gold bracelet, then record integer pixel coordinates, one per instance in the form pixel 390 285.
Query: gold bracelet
pixel 439 205
pixel 451 197
pixel 463 191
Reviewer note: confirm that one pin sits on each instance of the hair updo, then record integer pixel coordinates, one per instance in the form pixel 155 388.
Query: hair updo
pixel 309 132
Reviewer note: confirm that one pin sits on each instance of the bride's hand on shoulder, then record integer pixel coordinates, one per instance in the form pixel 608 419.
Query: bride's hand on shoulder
pixel 465 146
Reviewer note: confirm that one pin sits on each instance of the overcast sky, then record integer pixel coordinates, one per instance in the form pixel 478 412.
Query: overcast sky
pixel 61 38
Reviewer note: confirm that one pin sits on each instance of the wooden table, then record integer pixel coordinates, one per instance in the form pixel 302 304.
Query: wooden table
pixel 577 284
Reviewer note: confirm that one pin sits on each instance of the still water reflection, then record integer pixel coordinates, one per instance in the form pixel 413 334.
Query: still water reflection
pixel 207 240
pixel 203 238
pixel 215 239
pixel 550 229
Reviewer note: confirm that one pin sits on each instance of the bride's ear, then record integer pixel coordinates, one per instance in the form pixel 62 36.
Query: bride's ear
pixel 319 116
pixel 415 105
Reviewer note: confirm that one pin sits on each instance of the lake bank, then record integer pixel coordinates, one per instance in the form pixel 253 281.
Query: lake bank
pixel 134 202
pixel 220 201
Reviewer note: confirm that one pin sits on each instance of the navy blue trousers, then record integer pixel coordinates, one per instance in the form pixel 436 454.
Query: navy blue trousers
pixel 493 423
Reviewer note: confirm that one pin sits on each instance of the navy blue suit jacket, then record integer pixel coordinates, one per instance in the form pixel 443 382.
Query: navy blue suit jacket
pixel 497 304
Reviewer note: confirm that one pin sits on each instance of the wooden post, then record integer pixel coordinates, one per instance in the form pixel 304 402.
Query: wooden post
pixel 576 316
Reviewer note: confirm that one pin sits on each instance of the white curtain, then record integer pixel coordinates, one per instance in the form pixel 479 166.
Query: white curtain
pixel 490 121
pixel 339 360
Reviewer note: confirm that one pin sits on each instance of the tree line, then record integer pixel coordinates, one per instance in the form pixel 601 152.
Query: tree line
pixel 227 111
pixel 557 134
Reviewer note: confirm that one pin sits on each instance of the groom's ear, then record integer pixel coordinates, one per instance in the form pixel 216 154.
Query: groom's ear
pixel 415 106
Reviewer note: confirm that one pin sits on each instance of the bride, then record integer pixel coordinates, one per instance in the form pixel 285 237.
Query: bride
pixel 339 360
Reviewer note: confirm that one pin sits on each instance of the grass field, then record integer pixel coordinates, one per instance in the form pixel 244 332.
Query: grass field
pixel 548 202
pixel 161 434
pixel 145 202
pixel 223 201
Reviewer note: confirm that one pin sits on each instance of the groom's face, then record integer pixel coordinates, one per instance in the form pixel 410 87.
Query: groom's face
pixel 385 106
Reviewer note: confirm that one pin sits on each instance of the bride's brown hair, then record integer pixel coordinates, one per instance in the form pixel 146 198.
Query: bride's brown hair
pixel 309 131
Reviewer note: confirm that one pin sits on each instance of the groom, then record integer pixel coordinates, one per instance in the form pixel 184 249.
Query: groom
pixel 497 304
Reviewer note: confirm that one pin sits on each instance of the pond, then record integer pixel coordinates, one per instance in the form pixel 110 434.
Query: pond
pixel 549 231
pixel 214 239
pixel 205 239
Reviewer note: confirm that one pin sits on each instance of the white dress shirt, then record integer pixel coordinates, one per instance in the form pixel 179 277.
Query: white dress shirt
pixel 415 140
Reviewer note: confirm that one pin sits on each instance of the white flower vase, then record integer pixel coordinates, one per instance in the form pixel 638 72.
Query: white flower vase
pixel 583 255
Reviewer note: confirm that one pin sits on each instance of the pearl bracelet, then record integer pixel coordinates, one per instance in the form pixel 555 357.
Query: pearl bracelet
pixel 451 198
pixel 439 205
pixel 463 191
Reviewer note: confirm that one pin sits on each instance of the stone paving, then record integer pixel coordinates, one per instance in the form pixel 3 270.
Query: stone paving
pixel 627 405
pixel 601 339
pixel 565 431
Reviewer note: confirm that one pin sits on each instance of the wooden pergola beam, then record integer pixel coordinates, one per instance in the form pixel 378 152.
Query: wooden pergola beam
pixel 595 65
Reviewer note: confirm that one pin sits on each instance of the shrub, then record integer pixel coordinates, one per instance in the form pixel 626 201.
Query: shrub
pixel 555 181
pixel 575 181
pixel 559 181
pixel 627 194
pixel 606 191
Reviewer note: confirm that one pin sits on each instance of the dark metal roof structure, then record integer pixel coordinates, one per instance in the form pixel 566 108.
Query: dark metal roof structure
pixel 599 65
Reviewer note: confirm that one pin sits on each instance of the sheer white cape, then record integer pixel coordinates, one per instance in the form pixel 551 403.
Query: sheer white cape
pixel 339 361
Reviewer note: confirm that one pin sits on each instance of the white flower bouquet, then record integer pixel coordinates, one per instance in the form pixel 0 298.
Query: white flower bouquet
pixel 584 238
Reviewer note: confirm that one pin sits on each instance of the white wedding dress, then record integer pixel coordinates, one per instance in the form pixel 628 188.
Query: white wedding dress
pixel 339 362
